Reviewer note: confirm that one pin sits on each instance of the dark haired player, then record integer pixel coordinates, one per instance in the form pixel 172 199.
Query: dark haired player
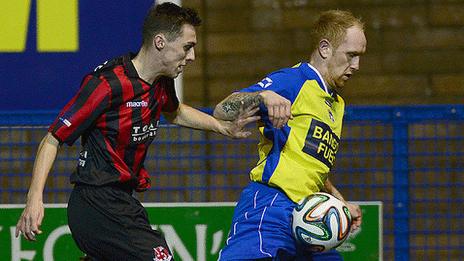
pixel 116 112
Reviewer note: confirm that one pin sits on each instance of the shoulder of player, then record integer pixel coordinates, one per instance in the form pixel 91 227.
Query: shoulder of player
pixel 287 74
pixel 110 72
pixel 108 65
pixel 288 78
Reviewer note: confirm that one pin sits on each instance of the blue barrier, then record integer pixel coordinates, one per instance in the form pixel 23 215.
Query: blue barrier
pixel 409 157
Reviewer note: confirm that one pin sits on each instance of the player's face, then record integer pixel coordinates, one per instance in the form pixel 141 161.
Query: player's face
pixel 345 58
pixel 180 52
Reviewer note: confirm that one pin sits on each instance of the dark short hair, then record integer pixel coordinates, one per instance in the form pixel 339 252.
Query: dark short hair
pixel 167 18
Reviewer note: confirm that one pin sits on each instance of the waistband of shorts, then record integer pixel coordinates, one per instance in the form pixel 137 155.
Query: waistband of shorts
pixel 119 186
pixel 266 187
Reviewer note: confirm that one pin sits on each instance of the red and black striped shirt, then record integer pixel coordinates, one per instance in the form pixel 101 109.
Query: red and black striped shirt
pixel 117 114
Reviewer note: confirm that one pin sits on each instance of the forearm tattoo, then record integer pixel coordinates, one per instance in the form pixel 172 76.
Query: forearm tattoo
pixel 231 107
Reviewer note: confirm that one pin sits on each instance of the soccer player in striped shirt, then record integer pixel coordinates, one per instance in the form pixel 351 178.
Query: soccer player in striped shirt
pixel 116 112
pixel 300 131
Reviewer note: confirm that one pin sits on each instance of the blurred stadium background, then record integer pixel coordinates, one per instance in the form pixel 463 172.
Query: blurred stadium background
pixel 403 138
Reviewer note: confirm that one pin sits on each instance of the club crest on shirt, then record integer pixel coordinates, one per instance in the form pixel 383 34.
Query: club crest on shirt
pixel 161 254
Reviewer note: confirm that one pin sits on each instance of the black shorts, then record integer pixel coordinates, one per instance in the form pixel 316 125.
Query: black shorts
pixel 107 223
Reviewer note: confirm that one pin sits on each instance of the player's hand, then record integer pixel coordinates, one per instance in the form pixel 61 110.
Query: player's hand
pixel 278 108
pixel 30 220
pixel 236 129
pixel 356 216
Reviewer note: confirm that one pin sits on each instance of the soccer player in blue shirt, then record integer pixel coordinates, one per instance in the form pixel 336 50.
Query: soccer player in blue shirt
pixel 301 124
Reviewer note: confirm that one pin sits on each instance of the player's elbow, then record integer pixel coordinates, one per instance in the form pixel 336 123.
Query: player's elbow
pixel 170 117
pixel 218 113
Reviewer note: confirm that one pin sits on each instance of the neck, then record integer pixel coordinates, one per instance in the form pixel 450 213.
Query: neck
pixel 321 66
pixel 147 67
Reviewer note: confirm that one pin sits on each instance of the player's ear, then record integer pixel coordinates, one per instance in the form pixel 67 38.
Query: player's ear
pixel 325 48
pixel 159 41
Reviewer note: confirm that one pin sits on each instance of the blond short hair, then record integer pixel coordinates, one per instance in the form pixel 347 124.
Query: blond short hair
pixel 332 25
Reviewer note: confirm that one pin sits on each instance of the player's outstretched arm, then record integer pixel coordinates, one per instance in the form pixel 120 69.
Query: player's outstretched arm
pixel 30 220
pixel 187 116
pixel 278 107
pixel 229 109
pixel 354 209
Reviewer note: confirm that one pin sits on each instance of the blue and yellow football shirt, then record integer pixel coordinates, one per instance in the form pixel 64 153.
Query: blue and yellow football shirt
pixel 298 157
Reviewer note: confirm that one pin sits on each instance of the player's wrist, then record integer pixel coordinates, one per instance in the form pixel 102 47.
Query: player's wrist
pixel 34 197
pixel 220 127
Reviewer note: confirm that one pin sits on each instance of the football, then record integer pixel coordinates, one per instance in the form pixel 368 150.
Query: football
pixel 321 222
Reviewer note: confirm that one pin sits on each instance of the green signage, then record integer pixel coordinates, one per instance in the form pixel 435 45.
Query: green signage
pixel 195 231
pixel 366 243
pixel 55 243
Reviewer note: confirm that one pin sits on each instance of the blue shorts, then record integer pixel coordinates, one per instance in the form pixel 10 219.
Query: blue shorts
pixel 262 228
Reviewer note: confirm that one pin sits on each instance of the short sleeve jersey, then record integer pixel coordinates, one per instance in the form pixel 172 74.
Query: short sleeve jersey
pixel 117 115
pixel 298 157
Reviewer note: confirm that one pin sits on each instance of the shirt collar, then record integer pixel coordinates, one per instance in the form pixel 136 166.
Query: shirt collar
pixel 311 72
pixel 129 66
